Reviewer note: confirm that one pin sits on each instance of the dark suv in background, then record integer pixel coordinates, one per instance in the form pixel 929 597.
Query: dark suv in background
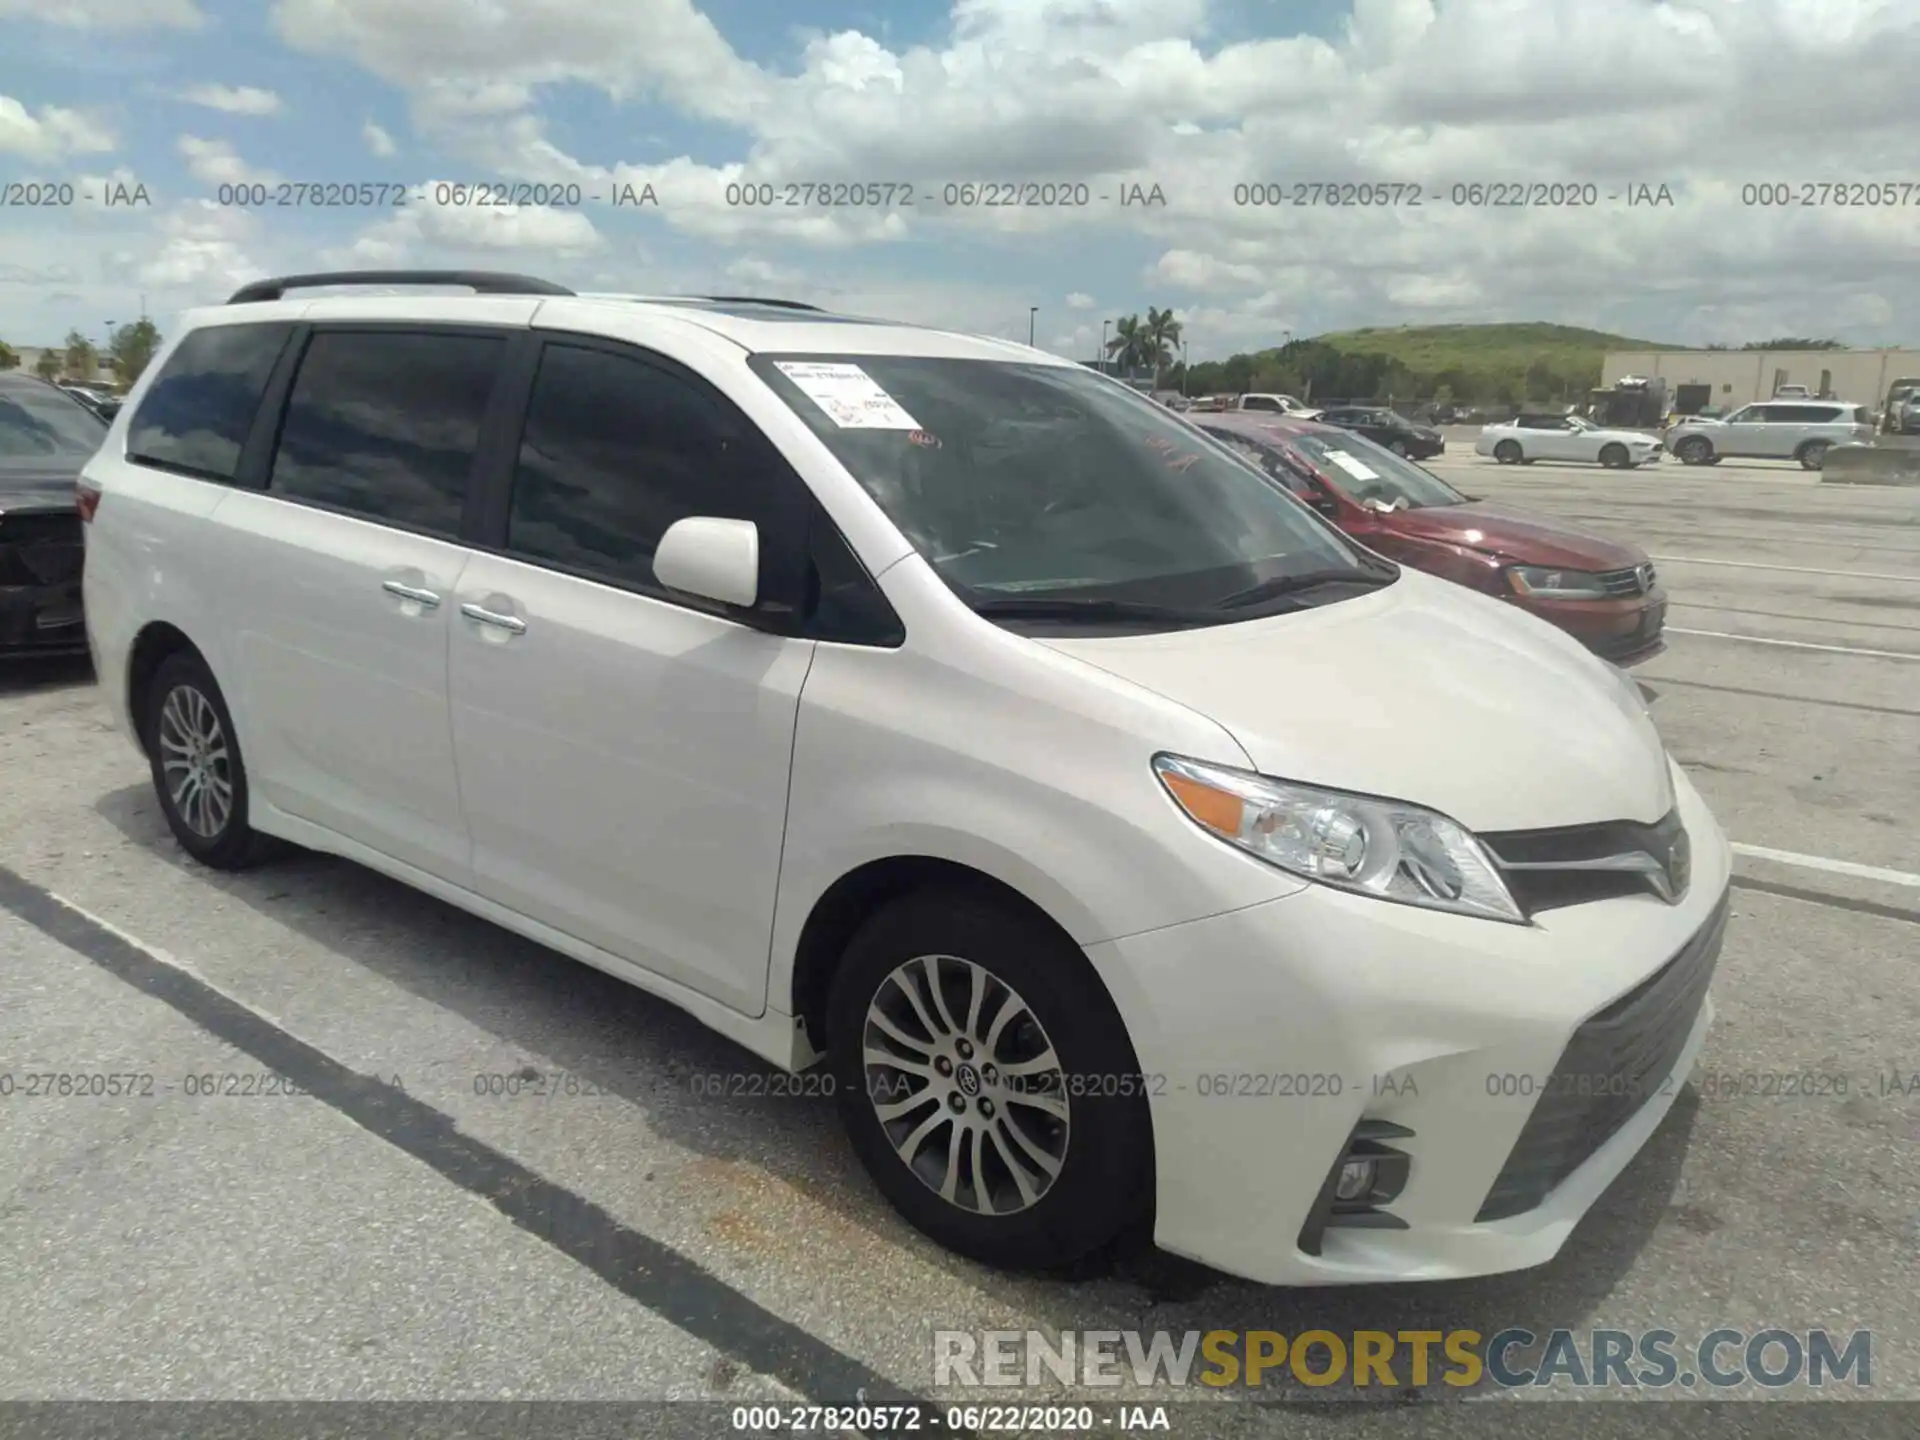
pixel 46 436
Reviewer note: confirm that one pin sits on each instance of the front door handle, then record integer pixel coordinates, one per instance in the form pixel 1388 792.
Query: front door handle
pixel 424 598
pixel 512 624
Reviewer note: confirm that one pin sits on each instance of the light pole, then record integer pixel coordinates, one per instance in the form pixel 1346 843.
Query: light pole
pixel 1183 369
pixel 1032 310
pixel 105 355
pixel 1103 345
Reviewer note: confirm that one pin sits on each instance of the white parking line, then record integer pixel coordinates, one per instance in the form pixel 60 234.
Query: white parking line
pixel 1837 867
pixel 1790 569
pixel 1796 644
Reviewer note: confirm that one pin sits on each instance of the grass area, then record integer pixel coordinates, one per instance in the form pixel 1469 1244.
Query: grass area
pixel 1429 349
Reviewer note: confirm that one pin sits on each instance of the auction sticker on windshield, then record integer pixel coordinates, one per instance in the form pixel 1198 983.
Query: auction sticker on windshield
pixel 1358 469
pixel 852 398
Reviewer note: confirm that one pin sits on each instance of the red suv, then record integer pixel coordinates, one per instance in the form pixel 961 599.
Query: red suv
pixel 1601 592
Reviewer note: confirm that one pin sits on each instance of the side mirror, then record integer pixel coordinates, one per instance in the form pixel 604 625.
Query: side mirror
pixel 711 558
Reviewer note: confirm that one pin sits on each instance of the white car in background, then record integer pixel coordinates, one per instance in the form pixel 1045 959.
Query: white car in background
pixel 1530 437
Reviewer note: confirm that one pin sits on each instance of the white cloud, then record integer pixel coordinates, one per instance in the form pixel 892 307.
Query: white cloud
pixel 543 232
pixel 234 100
pixel 1697 94
pixel 214 162
pixel 52 134
pixel 108 14
pixel 378 141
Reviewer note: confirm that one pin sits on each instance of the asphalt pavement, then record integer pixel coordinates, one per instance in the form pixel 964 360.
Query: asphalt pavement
pixel 316 1185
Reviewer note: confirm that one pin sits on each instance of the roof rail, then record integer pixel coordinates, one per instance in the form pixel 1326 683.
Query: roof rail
pixel 758 300
pixel 481 282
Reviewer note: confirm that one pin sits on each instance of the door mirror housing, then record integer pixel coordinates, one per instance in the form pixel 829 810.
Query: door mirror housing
pixel 711 558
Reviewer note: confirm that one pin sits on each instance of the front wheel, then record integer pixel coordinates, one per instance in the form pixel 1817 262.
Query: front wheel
pixel 1694 450
pixel 1507 452
pixel 1399 447
pixel 987 1083
pixel 1812 455
pixel 1615 457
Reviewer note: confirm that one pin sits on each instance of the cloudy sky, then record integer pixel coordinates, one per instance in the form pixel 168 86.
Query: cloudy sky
pixel 600 99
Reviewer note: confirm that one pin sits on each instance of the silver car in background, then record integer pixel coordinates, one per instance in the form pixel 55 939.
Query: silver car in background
pixel 1802 430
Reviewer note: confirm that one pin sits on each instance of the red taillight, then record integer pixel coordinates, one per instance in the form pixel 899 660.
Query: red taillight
pixel 86 499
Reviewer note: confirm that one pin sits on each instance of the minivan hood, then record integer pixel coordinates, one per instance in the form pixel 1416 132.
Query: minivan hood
pixel 1514 536
pixel 1423 691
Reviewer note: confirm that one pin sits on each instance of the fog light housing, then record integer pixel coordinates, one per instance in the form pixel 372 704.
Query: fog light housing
pixel 1355 1181
pixel 1368 1175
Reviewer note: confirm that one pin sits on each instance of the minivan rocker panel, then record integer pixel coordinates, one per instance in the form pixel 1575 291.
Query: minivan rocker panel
pixel 1404 693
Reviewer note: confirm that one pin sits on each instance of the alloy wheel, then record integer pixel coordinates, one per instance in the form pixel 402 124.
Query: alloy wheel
pixel 966 1085
pixel 196 760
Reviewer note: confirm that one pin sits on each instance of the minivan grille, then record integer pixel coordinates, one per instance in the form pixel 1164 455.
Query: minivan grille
pixel 1614 1064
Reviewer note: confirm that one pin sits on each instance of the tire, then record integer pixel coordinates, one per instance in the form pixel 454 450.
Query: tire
pixel 1507 452
pixel 1615 457
pixel 1694 450
pixel 183 712
pixel 1102 1185
pixel 1399 447
pixel 1813 454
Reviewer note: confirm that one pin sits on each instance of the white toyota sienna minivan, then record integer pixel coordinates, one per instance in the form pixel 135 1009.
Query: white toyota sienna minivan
pixel 1135 853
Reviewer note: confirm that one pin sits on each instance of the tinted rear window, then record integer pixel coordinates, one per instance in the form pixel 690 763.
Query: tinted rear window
pixel 39 423
pixel 196 416
pixel 385 425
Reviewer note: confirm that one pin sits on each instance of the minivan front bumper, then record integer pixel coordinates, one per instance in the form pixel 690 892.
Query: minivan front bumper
pixel 1491 1056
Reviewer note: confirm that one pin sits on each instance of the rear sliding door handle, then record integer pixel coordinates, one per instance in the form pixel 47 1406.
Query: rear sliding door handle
pixel 512 624
pixel 414 593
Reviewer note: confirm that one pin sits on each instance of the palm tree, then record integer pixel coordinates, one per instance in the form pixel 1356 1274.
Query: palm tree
pixel 1128 347
pixel 1163 340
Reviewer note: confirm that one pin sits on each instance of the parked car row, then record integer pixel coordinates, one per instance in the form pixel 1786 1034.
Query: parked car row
pixel 945 713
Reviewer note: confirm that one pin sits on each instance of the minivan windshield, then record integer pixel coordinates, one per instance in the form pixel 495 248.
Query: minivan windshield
pixel 1047 492
pixel 1366 471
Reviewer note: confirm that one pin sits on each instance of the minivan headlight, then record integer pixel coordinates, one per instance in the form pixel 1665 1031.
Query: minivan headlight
pixel 1382 848
pixel 1555 583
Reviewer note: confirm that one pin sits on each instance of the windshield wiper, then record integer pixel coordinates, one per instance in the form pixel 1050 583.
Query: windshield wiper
pixel 1065 607
pixel 1283 585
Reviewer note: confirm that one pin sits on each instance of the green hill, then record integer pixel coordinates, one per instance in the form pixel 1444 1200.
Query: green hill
pixel 1470 363
pixel 1430 349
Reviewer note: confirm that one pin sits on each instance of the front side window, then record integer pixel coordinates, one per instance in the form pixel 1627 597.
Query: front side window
pixel 38 423
pixel 196 415
pixel 386 425
pixel 615 450
pixel 1046 483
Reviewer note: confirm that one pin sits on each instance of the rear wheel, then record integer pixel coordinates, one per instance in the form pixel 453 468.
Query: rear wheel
pixel 1615 457
pixel 1694 450
pixel 1812 455
pixel 987 1083
pixel 1507 452
pixel 198 772
pixel 1399 447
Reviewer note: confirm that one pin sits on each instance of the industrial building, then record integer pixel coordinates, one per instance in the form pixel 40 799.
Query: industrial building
pixel 1740 377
